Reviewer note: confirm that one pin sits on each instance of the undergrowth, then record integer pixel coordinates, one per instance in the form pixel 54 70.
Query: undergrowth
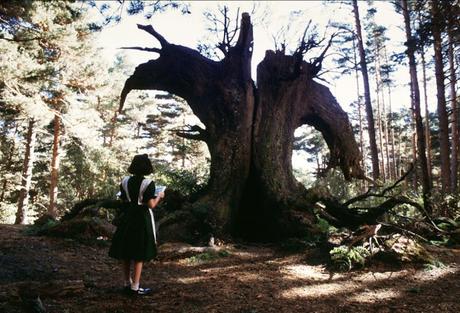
pixel 207 257
pixel 36 229
pixel 345 258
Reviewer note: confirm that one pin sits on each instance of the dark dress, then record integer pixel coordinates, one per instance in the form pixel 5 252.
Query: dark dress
pixel 134 238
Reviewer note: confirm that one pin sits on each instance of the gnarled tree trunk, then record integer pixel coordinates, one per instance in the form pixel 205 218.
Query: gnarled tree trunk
pixel 275 202
pixel 249 131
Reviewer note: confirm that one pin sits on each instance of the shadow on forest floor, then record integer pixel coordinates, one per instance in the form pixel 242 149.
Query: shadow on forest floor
pixel 71 277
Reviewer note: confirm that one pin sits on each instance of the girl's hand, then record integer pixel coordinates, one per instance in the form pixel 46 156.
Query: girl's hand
pixel 161 194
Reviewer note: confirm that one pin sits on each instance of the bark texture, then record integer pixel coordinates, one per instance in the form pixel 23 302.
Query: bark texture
pixel 415 97
pixel 221 95
pixel 288 97
pixel 441 97
pixel 54 172
pixel 454 106
pixel 367 95
pixel 26 178
pixel 249 131
pixel 427 115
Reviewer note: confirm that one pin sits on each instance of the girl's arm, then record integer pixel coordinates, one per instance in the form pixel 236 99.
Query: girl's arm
pixel 154 202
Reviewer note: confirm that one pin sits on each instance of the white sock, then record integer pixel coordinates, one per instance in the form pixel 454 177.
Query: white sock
pixel 134 286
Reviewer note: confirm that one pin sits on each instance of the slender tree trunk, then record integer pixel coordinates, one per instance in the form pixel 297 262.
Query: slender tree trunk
pixel 55 166
pixel 8 165
pixel 393 172
pixel 385 138
pixel 362 146
pixel 383 126
pixel 360 115
pixel 414 148
pixel 182 141
pixel 415 97
pixel 9 159
pixel 388 128
pixel 414 151
pixel 393 154
pixel 378 89
pixel 453 99
pixel 26 178
pixel 367 95
pixel 399 164
pixel 380 136
pixel 391 135
pixel 113 123
pixel 441 98
pixel 427 118
pixel 4 186
pixel 427 113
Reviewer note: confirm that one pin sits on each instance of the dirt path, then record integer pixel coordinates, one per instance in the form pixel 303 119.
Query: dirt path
pixel 232 280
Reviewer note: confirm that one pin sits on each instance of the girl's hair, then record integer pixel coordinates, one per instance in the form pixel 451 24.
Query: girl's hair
pixel 141 165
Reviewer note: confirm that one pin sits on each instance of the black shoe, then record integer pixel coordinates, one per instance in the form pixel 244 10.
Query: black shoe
pixel 141 291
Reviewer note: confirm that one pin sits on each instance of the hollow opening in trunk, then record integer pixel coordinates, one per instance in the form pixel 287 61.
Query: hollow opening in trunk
pixel 172 133
pixel 310 155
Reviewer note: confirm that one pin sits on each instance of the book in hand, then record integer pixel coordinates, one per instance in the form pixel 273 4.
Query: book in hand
pixel 159 189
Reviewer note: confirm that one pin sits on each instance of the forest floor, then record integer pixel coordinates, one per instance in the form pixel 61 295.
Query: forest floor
pixel 73 277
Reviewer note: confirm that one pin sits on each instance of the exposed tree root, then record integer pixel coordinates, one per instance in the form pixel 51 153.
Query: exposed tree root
pixel 352 216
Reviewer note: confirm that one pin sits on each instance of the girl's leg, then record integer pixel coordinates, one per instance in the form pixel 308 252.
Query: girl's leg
pixel 137 274
pixel 127 272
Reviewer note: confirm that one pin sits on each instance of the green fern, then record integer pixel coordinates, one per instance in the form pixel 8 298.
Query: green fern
pixel 344 258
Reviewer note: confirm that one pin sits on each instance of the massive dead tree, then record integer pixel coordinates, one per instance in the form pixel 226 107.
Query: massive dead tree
pixel 249 130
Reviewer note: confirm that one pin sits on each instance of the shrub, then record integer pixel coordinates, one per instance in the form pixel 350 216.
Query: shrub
pixel 344 258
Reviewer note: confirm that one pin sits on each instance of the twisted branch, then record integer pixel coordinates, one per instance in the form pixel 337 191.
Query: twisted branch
pixel 149 29
pixel 384 191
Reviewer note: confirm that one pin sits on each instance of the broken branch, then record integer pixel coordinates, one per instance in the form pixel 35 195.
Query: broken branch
pixel 317 63
pixel 384 191
pixel 190 136
pixel 149 29
pixel 194 133
pixel 142 49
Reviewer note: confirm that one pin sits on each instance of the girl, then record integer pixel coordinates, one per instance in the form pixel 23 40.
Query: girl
pixel 134 241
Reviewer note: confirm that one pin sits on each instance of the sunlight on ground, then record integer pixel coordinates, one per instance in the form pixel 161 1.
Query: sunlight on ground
pixel 240 273
pixel 294 272
pixel 219 269
pixel 370 296
pixel 355 285
pixel 313 291
pixel 379 276
pixel 248 277
pixel 434 274
pixel 255 254
pixel 192 280
pixel 336 284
